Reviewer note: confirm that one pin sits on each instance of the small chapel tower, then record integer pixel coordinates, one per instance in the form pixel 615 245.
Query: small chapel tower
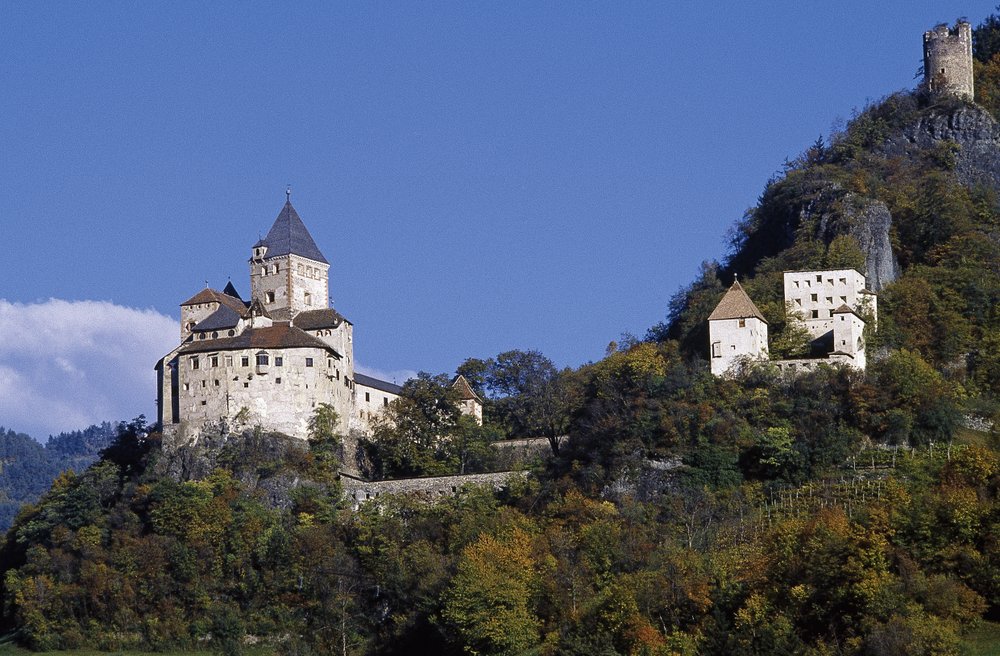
pixel 948 60
pixel 736 329
pixel 288 273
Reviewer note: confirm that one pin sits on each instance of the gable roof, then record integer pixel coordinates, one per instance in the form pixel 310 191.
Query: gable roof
pixel 315 319
pixel 288 235
pixel 736 305
pixel 208 295
pixel 375 383
pixel 465 390
pixel 224 317
pixel 279 336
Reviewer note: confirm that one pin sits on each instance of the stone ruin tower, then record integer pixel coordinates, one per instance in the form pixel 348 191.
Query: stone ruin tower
pixel 948 60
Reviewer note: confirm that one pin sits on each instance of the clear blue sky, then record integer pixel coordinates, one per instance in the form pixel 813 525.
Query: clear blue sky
pixel 481 175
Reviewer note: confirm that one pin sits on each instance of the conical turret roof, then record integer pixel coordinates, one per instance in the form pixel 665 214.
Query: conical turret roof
pixel 736 305
pixel 289 235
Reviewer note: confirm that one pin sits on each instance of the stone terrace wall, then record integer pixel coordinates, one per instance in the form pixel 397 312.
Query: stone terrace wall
pixel 430 489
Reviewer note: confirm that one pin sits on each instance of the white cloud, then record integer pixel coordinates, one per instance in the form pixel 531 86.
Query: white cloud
pixel 67 364
pixel 398 376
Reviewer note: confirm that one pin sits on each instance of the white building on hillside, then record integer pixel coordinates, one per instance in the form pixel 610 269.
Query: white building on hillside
pixel 736 330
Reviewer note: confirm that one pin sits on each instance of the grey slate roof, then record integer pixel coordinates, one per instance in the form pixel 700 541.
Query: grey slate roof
pixel 316 319
pixel 231 291
pixel 375 383
pixel 224 317
pixel 278 336
pixel 288 235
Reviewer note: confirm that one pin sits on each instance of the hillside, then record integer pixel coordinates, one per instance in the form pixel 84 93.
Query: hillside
pixel 28 468
pixel 836 512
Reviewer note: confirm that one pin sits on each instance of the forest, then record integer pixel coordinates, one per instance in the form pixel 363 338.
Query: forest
pixel 836 512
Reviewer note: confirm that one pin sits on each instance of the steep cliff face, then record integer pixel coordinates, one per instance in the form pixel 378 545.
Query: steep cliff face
pixel 969 126
pixel 870 221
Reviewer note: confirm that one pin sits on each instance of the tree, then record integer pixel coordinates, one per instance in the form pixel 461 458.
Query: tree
pixel 488 601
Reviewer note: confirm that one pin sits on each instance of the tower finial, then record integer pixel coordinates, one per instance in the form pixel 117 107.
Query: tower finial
pixel 736 277
pixel 288 193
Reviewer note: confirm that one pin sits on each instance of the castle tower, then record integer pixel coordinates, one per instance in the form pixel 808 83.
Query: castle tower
pixel 288 273
pixel 736 329
pixel 948 60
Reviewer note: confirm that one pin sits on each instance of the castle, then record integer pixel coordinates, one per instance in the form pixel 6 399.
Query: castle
pixel 948 60
pixel 830 304
pixel 270 361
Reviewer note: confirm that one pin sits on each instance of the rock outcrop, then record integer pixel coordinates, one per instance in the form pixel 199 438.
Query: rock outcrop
pixel 970 126
pixel 870 221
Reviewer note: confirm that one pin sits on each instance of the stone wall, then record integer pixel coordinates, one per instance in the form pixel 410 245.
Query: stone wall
pixel 430 489
pixel 948 60
pixel 732 340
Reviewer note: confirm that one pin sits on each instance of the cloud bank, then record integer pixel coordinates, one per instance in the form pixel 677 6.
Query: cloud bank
pixel 67 364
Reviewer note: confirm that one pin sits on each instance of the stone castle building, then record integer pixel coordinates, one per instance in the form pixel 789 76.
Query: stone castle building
pixel 273 359
pixel 829 304
pixel 948 60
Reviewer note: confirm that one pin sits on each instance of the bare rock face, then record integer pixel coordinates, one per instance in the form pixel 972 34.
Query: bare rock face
pixel 970 126
pixel 870 221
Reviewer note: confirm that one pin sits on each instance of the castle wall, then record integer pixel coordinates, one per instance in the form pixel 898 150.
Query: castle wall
pixel 816 294
pixel 231 386
pixel 369 402
pixel 194 314
pixel 848 338
pixel 948 60
pixel 732 339
pixel 429 489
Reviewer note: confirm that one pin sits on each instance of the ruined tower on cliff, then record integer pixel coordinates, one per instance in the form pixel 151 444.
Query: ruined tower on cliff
pixel 948 60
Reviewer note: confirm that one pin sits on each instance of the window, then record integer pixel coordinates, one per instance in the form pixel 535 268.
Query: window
pixel 245 385
pixel 215 361
pixel 307 297
pixel 245 361
pixel 190 326
pixel 831 314
pixel 269 297
pixel 277 381
pixel 277 268
pixel 262 359
pixel 203 384
pixel 798 302
pixel 716 349
pixel 814 297
pixel 229 360
pixel 815 314
pixel 231 332
pixel 743 323
pixel 300 269
pixel 368 397
pixel 278 361
pixel 263 271
pixel 385 401
pixel 187 386
pixel 309 362
pixel 829 299
pixel 843 281
pixel 215 334
pixel 796 283
pixel 216 382
pixel 204 402
pixel 194 362
pixel 201 335
pixel 819 278
pixel 843 299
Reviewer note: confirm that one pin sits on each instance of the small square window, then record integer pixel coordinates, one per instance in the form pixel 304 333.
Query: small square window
pixel 246 384
pixel 309 362
pixel 815 314
pixel 743 323
pixel 843 281
pixel 278 361
pixel 215 361
pixel 187 386
pixel 269 297
pixel 829 299
pixel 194 363
pixel 819 278
pixel 814 297
pixel 204 402
pixel 277 380
pixel 216 382
pixel 245 361
pixel 229 360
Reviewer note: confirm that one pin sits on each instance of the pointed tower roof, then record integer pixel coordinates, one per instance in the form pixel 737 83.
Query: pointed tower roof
pixel 736 305
pixel 465 391
pixel 231 291
pixel 288 235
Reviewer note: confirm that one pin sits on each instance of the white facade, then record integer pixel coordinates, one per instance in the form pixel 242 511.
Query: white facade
pixel 735 339
pixel 814 295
